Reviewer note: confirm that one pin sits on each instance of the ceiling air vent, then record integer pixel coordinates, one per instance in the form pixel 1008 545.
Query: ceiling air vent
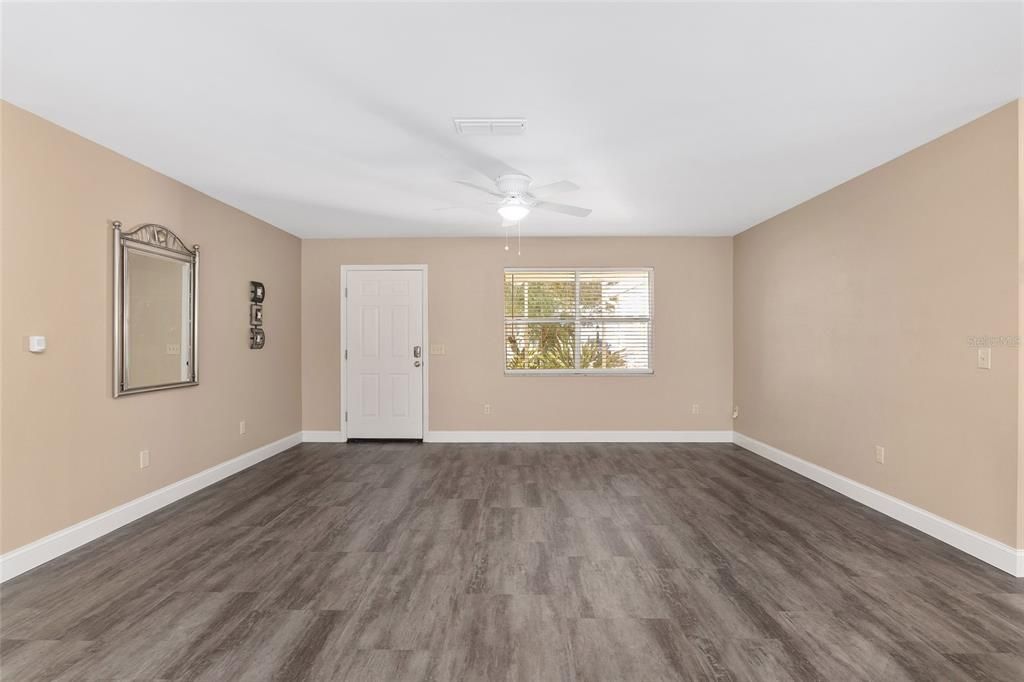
pixel 490 126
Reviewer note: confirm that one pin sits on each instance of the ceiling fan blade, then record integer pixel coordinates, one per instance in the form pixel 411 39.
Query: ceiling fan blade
pixel 563 208
pixel 554 188
pixel 482 189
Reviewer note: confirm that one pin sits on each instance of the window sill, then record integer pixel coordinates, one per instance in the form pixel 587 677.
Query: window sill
pixel 579 373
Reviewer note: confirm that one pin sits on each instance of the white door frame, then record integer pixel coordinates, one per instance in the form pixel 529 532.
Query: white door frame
pixel 345 269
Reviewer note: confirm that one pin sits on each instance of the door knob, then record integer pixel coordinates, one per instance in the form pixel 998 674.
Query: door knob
pixel 417 363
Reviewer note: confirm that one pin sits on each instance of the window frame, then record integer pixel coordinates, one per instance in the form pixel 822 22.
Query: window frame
pixel 575 319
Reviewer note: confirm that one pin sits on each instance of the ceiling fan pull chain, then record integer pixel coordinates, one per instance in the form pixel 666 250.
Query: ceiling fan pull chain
pixel 506 236
pixel 519 231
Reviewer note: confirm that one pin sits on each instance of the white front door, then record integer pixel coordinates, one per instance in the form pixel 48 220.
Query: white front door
pixel 384 343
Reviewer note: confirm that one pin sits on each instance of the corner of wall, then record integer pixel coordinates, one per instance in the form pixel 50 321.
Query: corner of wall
pixel 1020 324
pixel 733 395
pixel 302 354
pixel 3 108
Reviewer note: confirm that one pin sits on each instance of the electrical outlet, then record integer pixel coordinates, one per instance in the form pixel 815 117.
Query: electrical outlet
pixel 487 408
pixel 736 412
pixel 984 358
pixel 241 428
pixel 695 409
pixel 143 459
pixel 880 454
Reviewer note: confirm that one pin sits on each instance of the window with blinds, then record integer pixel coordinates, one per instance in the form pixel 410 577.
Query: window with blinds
pixel 585 321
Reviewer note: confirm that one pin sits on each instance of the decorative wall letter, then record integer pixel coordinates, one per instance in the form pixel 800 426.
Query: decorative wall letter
pixel 257 337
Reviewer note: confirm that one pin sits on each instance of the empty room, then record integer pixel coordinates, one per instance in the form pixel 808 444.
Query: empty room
pixel 593 341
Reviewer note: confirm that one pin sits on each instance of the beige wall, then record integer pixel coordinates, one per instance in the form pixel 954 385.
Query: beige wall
pixel 1020 323
pixel 851 313
pixel 692 334
pixel 852 317
pixel 3 345
pixel 70 450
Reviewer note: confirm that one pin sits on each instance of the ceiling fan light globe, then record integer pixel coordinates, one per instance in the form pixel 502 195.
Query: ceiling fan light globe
pixel 514 212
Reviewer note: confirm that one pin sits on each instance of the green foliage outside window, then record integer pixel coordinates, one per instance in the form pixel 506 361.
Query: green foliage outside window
pixel 542 322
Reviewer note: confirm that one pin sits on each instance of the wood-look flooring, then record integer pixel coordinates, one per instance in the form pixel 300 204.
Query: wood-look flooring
pixel 403 561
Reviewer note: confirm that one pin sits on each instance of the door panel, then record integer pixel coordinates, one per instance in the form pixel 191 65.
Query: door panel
pixel 369 395
pixel 384 380
pixel 400 395
pixel 400 331
pixel 370 342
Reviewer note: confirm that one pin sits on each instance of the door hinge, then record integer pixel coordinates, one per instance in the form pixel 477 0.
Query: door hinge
pixel 346 292
pixel 346 353
pixel 346 415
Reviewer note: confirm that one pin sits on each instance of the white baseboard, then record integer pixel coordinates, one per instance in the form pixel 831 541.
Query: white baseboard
pixel 323 437
pixel 990 551
pixel 29 556
pixel 578 437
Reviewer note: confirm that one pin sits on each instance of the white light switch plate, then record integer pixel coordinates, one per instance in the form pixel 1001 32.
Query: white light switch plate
pixel 36 344
pixel 984 358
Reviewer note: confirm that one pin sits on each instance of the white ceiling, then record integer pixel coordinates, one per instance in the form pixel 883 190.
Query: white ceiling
pixel 333 120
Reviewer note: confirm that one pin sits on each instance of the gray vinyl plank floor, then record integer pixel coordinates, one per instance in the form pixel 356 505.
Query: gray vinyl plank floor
pixel 408 561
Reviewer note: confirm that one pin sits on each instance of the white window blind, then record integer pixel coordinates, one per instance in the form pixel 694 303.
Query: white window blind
pixel 578 321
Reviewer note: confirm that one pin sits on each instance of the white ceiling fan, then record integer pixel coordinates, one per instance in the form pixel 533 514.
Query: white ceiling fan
pixel 518 197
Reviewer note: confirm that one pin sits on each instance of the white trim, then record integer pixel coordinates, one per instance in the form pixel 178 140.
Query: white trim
pixel 422 267
pixel 578 437
pixel 36 553
pixel 618 372
pixel 323 437
pixel 990 551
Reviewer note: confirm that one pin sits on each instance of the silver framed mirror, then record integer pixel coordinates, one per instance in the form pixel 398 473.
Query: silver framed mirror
pixel 156 310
